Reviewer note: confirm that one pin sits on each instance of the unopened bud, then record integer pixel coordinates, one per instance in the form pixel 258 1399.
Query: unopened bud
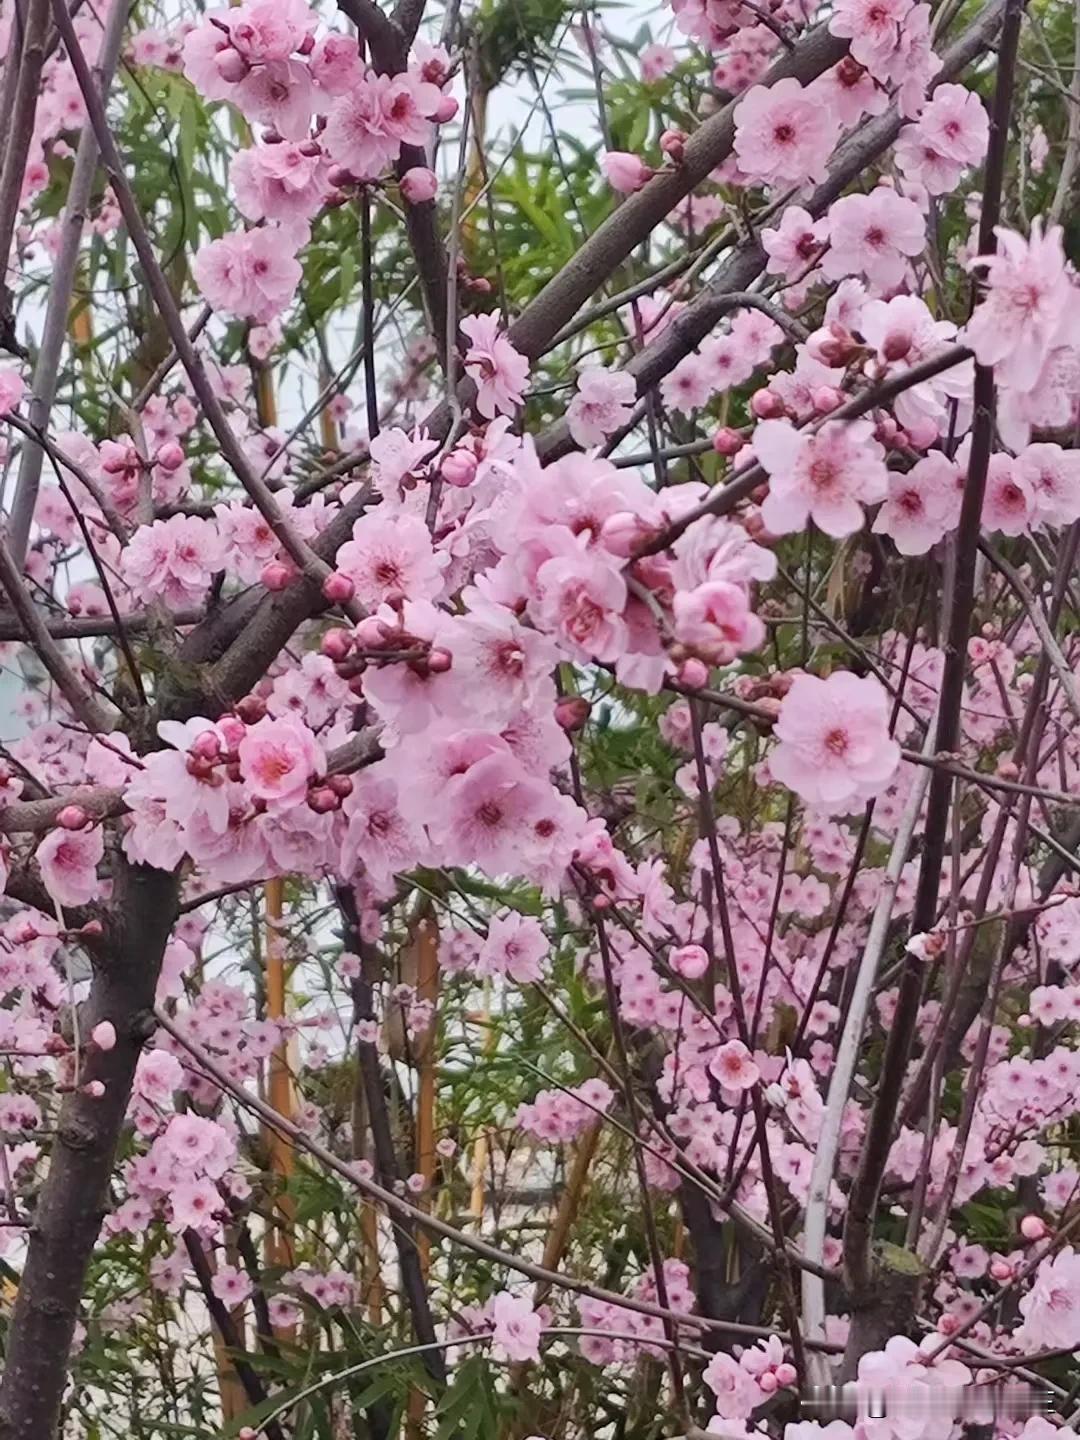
pixel 572 712
pixel 337 588
pixel 251 709
pixel 276 576
pixel 170 457
pixel 104 1035
pixel 727 442
pixel 72 817
pixel 1034 1227
pixel 336 644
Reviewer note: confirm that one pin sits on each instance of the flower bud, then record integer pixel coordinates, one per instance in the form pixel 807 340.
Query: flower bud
pixel 170 457
pixel 673 145
pixel 786 1374
pixel 276 576
pixel 231 66
pixel 1000 1270
pixel 768 1382
pixel 104 1035
pixel 727 442
pixel 1034 1227
pixel 439 661
pixel 766 404
pixel 448 108
pixel 826 399
pixel 251 709
pixel 459 468
pixel 323 800
pixel 689 961
pixel 94 1089
pixel 206 746
pixel 341 785
pixel 419 185
pixel 337 588
pixel 336 644
pixel 694 674
pixel 572 712
pixel 72 817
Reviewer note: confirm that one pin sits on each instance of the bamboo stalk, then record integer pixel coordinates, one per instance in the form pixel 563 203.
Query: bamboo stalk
pixel 426 943
pixel 279 1240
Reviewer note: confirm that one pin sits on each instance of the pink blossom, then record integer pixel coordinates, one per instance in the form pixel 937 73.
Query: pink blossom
pixel 68 860
pixel 390 557
pixel 784 135
pixel 172 561
pixel 735 1391
pixel 715 621
pixel 495 367
pixel 581 603
pixel 1030 304
pixel 1051 1308
pixel 278 760
pixel 251 273
pixel 516 1327
pixel 1053 477
pixel 795 242
pixel 231 1286
pixel 826 477
pixel 873 235
pixel 922 506
pixel 286 182
pixel 872 26
pixel 949 137
pixel 656 61
pixel 624 171
pixel 1009 502
pixel 515 946
pixel 834 747
pixel 281 94
pixel 601 406
pixel 733 1066
pixel 12 389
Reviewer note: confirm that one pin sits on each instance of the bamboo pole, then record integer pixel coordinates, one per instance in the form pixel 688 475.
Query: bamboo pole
pixel 426 950
pixel 279 1246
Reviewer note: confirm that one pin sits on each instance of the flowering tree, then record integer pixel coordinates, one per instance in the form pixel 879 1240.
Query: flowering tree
pixel 539 821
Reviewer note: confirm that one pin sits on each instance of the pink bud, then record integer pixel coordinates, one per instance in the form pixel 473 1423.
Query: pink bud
pixel 624 171
pixel 207 745
pixel 572 712
pixel 419 185
pixel 689 961
pixel 336 644
pixel 104 1035
pixel 72 817
pixel 622 533
pixel 1033 1227
pixel 339 177
pixel 323 800
pixel 768 1382
pixel 276 576
pixel 673 145
pixel 948 1324
pixel 786 1374
pixel 341 785
pixel 727 441
pixel 601 902
pixel 694 674
pixel 371 633
pixel 337 588
pixel 234 727
pixel 170 457
pixel 94 1089
pixel 896 346
pixel 826 399
pixel 1000 1270
pixel 459 468
pixel 231 66
pixel 766 404
pixel 448 108
pixel 440 661
pixel 250 710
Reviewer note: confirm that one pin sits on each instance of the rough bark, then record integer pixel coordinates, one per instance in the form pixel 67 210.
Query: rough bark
pixel 73 1199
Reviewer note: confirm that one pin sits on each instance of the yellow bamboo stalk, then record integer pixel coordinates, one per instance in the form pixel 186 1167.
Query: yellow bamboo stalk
pixel 426 946
pixel 279 1246
pixel 233 1397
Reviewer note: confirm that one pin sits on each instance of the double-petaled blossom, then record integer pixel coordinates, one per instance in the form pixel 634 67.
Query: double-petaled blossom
pixel 834 748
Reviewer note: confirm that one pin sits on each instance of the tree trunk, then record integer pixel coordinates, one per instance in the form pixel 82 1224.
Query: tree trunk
pixel 73 1199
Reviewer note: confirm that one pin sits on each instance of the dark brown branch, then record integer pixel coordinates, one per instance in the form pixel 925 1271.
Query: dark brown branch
pixel 859 1266
pixel 75 1193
